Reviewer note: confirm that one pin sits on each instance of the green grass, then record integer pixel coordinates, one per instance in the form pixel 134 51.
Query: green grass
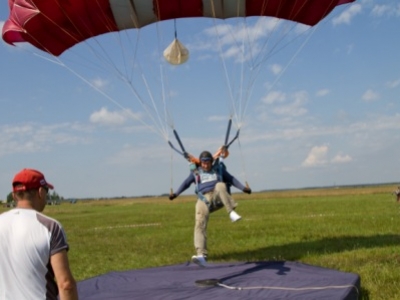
pixel 349 229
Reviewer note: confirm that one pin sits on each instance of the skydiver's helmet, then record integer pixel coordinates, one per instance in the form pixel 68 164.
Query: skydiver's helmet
pixel 206 156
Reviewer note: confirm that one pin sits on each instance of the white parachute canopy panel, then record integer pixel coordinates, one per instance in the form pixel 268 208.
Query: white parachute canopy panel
pixel 176 53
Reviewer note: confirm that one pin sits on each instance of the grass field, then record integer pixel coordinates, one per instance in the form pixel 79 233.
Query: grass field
pixel 349 229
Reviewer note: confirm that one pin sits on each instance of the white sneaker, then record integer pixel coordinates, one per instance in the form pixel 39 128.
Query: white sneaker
pixel 234 216
pixel 199 260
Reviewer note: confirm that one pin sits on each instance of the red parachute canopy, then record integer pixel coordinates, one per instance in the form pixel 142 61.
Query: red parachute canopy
pixel 56 25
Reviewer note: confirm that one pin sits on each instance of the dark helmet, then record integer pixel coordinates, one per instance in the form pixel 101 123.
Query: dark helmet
pixel 206 156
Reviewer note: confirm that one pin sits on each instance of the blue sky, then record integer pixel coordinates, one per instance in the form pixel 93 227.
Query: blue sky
pixel 324 111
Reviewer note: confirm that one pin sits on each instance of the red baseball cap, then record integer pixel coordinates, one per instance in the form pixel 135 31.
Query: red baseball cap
pixel 29 179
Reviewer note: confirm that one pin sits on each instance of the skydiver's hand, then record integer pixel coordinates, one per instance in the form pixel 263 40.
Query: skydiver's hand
pixel 172 196
pixel 247 190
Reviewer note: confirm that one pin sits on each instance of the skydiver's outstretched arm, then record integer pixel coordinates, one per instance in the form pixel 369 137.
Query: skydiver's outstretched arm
pixel 230 179
pixel 183 187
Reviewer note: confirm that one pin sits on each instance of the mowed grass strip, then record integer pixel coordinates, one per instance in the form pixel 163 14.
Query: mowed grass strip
pixel 348 229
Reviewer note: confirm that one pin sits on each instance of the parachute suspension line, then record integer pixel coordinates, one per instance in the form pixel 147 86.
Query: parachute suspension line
pixel 128 78
pixel 175 32
pixel 243 163
pixel 274 30
pixel 238 107
pixel 257 67
pixel 243 97
pixel 278 45
pixel 157 118
pixel 111 66
pixel 240 95
pixel 168 116
pixel 105 56
pixel 152 113
pixel 171 173
pixel 152 110
pixel 233 108
pixel 292 14
pixel 240 103
pixel 293 57
pixel 227 81
pixel 108 97
pixel 253 72
pixel 135 52
pixel 61 63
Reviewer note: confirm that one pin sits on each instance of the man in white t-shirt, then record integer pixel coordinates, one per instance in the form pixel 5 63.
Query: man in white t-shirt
pixel 33 248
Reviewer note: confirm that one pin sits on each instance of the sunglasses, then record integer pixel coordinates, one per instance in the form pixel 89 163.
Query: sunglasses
pixel 46 189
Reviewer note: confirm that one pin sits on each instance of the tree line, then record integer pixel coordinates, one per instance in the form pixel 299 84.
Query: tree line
pixel 52 198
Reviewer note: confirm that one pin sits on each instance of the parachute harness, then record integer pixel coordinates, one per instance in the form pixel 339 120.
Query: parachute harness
pixel 195 171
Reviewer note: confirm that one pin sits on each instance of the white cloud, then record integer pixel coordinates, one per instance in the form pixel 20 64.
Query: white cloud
pixel 316 156
pixel 130 155
pixel 276 69
pixel 380 10
pixel 106 117
pixel 35 138
pixel 247 40
pixel 99 83
pixel 393 84
pixel 296 107
pixel 274 97
pixel 370 96
pixel 322 92
pixel 340 158
pixel 230 37
pixel 346 16
pixel 216 118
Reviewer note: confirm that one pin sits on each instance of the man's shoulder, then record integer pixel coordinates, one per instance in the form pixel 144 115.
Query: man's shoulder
pixel 16 212
pixel 47 221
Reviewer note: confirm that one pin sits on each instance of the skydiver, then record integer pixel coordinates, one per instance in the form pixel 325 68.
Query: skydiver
pixel 397 193
pixel 211 181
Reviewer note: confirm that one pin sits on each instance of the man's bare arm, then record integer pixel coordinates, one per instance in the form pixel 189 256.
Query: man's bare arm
pixel 66 283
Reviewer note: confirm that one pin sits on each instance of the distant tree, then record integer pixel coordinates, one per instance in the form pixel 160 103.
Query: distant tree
pixel 10 201
pixel 10 198
pixel 54 198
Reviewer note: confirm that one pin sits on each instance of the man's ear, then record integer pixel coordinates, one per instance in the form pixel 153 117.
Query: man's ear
pixel 40 192
pixel 14 197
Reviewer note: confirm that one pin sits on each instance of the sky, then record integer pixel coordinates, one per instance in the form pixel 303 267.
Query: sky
pixel 322 112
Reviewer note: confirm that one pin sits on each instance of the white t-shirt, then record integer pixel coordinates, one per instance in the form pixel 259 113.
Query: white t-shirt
pixel 27 240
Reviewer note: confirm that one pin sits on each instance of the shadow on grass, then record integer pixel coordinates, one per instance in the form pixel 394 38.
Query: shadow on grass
pixel 295 251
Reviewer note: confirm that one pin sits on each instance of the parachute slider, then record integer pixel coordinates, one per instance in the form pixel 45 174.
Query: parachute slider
pixel 176 53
